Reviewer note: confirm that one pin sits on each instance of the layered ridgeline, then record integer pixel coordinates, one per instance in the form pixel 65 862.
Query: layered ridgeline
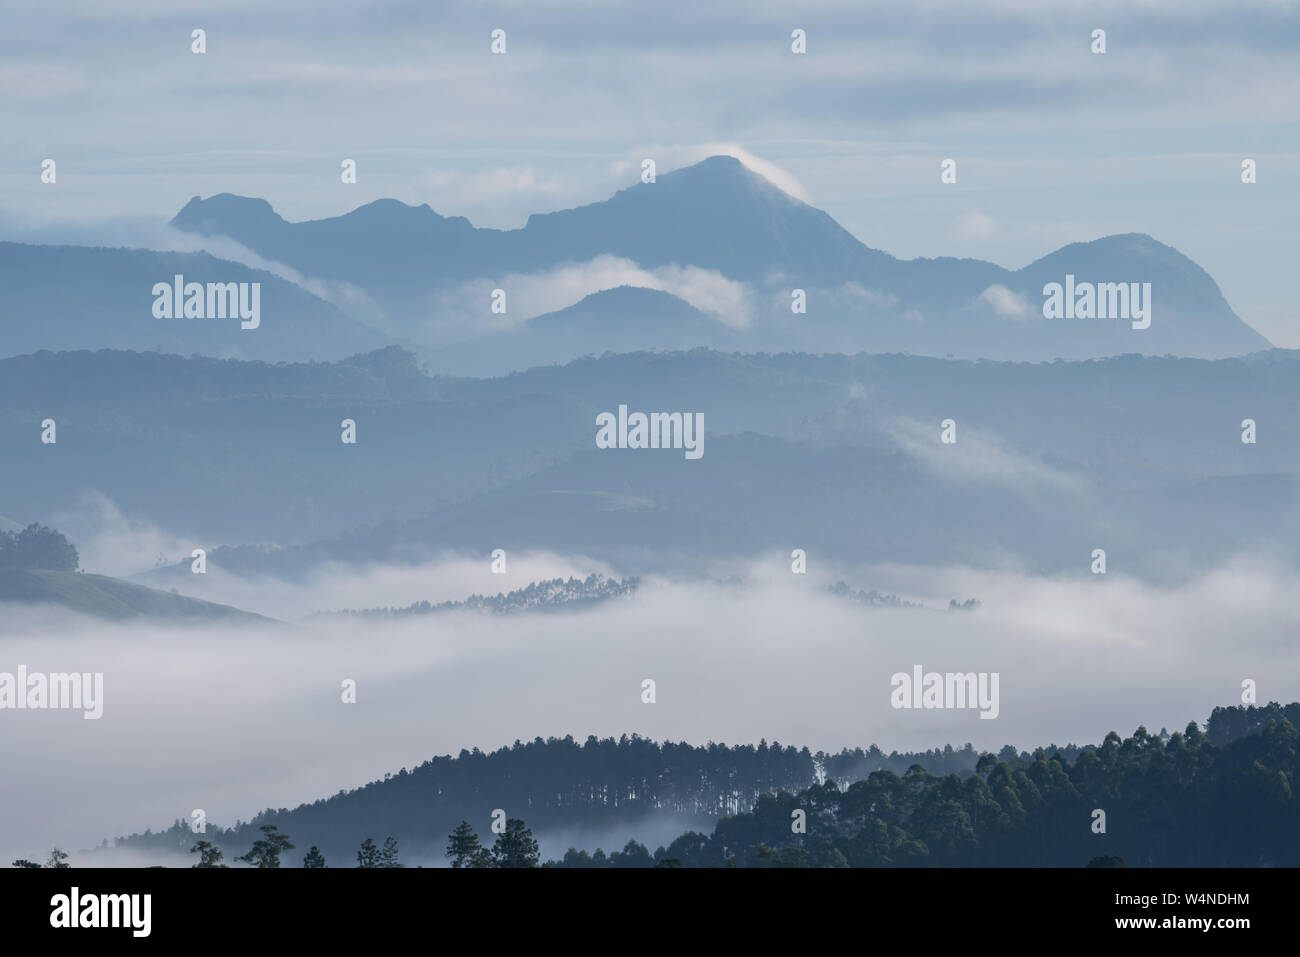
pixel 74 297
pixel 840 456
pixel 1218 796
pixel 723 249
pixel 709 255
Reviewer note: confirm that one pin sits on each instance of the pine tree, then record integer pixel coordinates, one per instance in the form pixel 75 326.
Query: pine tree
pixel 209 854
pixel 314 858
pixel 265 851
pixel 463 846
pixel 516 846
pixel 388 854
pixel 368 855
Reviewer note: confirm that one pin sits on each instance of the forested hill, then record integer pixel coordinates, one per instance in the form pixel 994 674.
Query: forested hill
pixel 554 784
pixel 1225 797
pixel 1167 799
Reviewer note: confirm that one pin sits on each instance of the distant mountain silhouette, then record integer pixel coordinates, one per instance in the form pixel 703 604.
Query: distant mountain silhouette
pixel 720 216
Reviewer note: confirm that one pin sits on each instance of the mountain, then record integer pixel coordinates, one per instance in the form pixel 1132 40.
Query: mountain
pixel 76 297
pixel 750 245
pixel 112 598
pixel 622 319
pixel 716 214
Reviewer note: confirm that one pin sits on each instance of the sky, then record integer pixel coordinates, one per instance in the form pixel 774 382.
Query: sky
pixel 1054 144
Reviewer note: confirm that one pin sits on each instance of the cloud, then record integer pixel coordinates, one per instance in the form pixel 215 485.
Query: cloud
pixel 336 587
pixel 815 671
pixel 109 542
pixel 1007 304
pixel 975 225
pixel 855 290
pixel 978 455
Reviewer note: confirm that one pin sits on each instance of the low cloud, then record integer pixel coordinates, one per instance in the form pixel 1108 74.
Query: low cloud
pixel 109 542
pixel 978 455
pixel 1007 304
pixel 783 660
pixel 337 587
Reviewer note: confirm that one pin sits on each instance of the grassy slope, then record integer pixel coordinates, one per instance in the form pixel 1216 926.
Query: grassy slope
pixel 105 597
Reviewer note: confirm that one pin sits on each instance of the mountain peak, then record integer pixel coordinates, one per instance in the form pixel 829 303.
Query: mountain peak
pixel 223 210
pixel 726 174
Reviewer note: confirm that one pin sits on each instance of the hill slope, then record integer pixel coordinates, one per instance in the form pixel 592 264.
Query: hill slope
pixel 103 597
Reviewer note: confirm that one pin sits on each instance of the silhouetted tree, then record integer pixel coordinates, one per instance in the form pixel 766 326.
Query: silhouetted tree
pixel 37 547
pixel 515 846
pixel 265 851
pixel 463 845
pixel 209 854
pixel 314 858
pixel 368 855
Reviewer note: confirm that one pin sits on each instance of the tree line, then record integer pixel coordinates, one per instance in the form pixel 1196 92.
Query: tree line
pixel 514 846
pixel 550 595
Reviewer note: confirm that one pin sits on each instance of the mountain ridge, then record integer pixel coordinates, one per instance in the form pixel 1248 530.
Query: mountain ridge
pixel 722 218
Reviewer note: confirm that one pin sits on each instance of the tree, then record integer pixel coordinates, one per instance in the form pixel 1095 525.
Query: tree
pixel 37 547
pixel 265 851
pixel 388 854
pixel 516 846
pixel 58 858
pixel 368 855
pixel 463 845
pixel 209 854
pixel 23 862
pixel 314 858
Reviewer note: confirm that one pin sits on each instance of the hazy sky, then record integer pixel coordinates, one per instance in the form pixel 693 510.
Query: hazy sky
pixel 1054 143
